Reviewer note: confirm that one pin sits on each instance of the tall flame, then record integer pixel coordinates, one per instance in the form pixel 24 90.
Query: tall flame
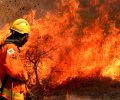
pixel 87 38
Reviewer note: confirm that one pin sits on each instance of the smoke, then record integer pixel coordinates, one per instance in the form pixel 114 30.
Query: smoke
pixel 13 9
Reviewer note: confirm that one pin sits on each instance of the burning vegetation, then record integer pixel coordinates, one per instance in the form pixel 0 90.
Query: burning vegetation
pixel 76 40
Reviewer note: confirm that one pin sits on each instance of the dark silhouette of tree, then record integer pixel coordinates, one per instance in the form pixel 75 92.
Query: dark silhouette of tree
pixel 36 51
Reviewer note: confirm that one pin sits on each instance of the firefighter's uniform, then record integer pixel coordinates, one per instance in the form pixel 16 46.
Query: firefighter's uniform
pixel 11 65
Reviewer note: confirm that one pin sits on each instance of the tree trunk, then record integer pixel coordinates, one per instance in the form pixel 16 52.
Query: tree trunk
pixel 36 74
pixel 40 89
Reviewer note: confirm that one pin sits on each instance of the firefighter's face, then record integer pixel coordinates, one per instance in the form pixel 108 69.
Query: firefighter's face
pixel 24 39
pixel 17 38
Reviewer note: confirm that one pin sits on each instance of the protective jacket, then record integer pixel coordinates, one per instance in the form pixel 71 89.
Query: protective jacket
pixel 11 65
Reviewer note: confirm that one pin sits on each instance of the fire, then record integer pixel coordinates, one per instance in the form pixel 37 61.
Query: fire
pixel 4 33
pixel 84 49
pixel 112 70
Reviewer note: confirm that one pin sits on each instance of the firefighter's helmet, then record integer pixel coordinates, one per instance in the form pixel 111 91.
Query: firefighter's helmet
pixel 21 26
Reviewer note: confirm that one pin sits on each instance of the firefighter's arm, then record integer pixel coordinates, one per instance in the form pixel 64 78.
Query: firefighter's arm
pixel 13 64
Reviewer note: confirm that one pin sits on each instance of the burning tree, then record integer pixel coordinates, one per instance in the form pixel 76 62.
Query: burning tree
pixel 37 51
pixel 88 32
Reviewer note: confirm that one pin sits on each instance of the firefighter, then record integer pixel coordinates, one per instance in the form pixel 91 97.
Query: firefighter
pixel 12 73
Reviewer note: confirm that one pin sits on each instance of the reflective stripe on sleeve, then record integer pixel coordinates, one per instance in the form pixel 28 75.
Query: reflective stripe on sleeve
pixel 6 93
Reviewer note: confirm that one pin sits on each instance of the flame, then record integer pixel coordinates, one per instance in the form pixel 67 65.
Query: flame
pixel 4 33
pixel 86 47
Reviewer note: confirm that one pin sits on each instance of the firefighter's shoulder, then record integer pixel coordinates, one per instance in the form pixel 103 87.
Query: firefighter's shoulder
pixel 10 49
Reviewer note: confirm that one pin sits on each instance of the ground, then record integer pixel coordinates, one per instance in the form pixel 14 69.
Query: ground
pixel 82 89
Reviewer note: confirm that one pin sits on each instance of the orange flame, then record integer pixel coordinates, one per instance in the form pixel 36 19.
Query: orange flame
pixel 85 49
